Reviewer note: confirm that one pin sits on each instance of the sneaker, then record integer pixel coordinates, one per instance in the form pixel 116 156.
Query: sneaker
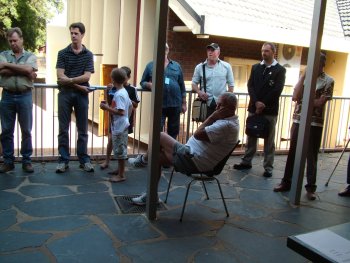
pixel 137 162
pixel 87 167
pixel 28 168
pixel 6 167
pixel 141 200
pixel 61 168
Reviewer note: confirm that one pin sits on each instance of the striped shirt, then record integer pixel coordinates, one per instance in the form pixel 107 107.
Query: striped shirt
pixel 75 65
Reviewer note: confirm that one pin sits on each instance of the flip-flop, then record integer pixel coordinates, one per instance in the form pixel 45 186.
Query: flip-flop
pixel 103 166
pixel 115 172
pixel 119 180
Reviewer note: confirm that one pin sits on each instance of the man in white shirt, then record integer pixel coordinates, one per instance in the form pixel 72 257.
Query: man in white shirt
pixel 218 78
pixel 210 143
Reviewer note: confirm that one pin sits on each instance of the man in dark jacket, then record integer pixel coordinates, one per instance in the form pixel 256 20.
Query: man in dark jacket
pixel 265 86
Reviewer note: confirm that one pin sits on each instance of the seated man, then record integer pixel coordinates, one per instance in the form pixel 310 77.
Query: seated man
pixel 210 143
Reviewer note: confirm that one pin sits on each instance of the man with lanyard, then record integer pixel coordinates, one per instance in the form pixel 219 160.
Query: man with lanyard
pixel 265 86
pixel 174 92
pixel 74 67
pixel 17 72
pixel 218 75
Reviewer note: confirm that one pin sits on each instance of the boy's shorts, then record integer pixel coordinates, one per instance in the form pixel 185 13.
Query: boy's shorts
pixel 120 145
pixel 182 159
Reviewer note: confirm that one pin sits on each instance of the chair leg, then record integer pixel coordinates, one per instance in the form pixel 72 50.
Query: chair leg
pixel 185 201
pixel 205 189
pixel 167 191
pixel 222 196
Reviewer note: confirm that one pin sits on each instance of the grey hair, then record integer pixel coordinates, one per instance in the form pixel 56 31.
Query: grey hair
pixel 13 30
pixel 230 98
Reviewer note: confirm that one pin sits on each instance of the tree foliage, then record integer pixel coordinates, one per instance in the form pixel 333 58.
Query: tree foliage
pixel 29 15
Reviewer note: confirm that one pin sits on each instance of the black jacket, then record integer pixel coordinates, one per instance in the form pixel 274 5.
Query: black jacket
pixel 266 84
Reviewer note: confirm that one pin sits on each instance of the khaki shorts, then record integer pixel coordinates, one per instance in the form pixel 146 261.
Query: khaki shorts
pixel 120 145
pixel 182 159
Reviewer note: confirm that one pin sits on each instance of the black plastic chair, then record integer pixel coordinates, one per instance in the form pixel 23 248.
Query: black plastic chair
pixel 204 177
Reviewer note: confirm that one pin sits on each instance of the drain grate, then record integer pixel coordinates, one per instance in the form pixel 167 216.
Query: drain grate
pixel 128 207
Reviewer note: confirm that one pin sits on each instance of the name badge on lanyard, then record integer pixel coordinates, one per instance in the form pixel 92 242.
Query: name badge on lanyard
pixel 167 81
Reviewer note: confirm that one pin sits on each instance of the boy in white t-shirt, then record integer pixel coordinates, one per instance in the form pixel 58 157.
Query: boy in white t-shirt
pixel 120 109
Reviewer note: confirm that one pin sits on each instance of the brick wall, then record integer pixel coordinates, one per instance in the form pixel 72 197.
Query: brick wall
pixel 188 50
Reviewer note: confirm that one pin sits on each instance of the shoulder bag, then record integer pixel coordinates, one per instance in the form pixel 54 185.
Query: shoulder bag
pixel 199 107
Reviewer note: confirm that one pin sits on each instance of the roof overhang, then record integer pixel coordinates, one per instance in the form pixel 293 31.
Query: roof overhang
pixel 229 27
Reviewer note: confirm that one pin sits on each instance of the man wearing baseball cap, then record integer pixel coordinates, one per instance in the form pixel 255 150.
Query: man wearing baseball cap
pixel 218 78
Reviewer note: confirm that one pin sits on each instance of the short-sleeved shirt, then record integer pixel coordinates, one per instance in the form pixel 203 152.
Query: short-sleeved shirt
pixel 121 101
pixel 223 135
pixel 75 65
pixel 324 86
pixel 217 78
pixel 174 86
pixel 132 93
pixel 18 82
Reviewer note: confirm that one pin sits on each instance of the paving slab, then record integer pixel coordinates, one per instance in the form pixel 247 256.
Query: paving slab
pixel 80 204
pixel 14 240
pixel 28 257
pixel 169 250
pixel 36 191
pixel 130 228
pixel 62 223
pixel 262 248
pixel 93 188
pixel 7 218
pixel 10 180
pixel 8 199
pixel 87 245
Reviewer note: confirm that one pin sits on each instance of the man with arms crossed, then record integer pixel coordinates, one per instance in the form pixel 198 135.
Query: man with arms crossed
pixel 17 72
pixel 74 67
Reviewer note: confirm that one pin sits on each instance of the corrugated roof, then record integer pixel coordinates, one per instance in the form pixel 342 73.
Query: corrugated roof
pixel 344 13
pixel 283 21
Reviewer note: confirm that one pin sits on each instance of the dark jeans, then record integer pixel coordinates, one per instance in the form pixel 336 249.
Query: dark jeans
pixel 10 106
pixel 173 124
pixel 67 100
pixel 312 154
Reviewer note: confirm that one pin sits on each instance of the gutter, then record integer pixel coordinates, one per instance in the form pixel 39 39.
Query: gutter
pixel 200 19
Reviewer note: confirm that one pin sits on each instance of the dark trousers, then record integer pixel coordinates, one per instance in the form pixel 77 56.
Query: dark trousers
pixel 67 100
pixel 173 124
pixel 20 105
pixel 312 154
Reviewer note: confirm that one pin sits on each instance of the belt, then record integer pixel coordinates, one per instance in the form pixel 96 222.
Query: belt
pixel 17 92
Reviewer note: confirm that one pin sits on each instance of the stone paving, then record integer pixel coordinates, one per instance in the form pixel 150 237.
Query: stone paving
pixel 73 217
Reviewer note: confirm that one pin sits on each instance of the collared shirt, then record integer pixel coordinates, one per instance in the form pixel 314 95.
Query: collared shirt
pixel 324 86
pixel 223 135
pixel 217 77
pixel 18 82
pixel 75 65
pixel 174 86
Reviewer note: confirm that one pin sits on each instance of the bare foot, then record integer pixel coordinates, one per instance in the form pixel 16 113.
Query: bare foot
pixel 117 179
pixel 104 165
pixel 115 172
